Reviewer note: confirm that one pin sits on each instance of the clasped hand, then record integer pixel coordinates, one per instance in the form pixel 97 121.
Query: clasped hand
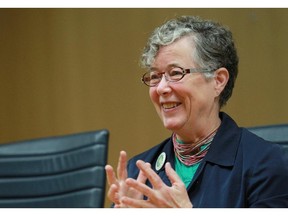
pixel 127 192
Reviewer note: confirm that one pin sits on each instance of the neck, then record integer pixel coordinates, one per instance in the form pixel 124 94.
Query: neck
pixel 190 154
pixel 198 132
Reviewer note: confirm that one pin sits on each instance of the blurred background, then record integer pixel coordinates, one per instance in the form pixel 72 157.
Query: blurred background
pixel 65 71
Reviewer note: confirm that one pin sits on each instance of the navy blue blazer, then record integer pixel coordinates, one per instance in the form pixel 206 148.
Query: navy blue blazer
pixel 239 170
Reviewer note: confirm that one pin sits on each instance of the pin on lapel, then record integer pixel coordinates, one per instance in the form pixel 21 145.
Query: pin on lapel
pixel 160 161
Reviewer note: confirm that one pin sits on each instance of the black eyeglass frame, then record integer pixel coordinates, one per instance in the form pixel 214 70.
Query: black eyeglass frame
pixel 184 71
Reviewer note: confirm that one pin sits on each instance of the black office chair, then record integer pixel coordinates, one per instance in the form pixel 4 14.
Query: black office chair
pixel 57 172
pixel 274 133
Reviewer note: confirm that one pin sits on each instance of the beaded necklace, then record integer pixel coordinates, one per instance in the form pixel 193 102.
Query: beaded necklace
pixel 186 152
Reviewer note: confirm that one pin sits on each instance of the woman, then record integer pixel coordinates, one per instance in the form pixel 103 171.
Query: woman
pixel 208 161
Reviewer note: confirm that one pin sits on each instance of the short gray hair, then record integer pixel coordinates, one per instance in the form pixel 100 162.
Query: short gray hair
pixel 214 46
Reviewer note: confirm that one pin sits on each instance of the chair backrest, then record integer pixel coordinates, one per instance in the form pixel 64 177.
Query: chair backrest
pixel 274 133
pixel 57 172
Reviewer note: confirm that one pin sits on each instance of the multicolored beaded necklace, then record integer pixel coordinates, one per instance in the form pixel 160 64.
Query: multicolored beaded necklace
pixel 186 152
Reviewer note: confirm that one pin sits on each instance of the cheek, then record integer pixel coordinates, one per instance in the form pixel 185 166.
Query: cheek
pixel 153 95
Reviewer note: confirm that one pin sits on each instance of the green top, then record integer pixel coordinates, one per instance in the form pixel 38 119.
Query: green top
pixel 185 172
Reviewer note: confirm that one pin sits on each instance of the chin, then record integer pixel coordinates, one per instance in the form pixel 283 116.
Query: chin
pixel 171 126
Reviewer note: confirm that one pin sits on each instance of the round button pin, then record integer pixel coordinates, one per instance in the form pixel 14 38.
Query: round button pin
pixel 160 161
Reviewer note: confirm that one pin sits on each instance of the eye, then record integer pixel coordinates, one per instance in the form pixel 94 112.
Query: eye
pixel 176 73
pixel 155 76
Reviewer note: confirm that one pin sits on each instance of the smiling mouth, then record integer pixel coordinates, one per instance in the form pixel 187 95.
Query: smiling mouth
pixel 170 105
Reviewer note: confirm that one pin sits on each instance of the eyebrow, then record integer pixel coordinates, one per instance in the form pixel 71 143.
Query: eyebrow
pixel 167 67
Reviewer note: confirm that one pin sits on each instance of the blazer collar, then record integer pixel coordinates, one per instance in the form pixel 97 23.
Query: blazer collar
pixel 222 150
pixel 224 146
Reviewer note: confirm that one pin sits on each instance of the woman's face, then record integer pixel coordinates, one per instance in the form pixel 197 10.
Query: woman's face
pixel 186 104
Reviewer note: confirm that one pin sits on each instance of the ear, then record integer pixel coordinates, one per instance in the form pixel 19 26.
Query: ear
pixel 221 78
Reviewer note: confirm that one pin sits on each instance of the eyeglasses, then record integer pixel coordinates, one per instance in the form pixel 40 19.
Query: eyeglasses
pixel 175 74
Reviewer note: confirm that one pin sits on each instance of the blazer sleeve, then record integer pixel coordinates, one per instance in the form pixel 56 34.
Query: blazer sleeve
pixel 268 183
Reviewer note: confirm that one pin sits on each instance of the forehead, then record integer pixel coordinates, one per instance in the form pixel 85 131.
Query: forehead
pixel 179 53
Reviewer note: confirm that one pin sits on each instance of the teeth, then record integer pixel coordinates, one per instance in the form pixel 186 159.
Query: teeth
pixel 170 105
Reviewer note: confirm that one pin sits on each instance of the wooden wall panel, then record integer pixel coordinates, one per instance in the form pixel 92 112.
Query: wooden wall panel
pixel 72 70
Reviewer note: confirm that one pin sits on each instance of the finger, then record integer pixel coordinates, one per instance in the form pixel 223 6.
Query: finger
pixel 141 187
pixel 155 180
pixel 135 203
pixel 122 164
pixel 111 178
pixel 112 194
pixel 172 175
pixel 142 177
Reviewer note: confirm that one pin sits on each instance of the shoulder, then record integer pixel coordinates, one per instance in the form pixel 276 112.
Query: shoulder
pixel 267 163
pixel 147 156
pixel 264 156
pixel 256 144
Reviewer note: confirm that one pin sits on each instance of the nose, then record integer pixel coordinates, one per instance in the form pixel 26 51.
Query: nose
pixel 163 86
